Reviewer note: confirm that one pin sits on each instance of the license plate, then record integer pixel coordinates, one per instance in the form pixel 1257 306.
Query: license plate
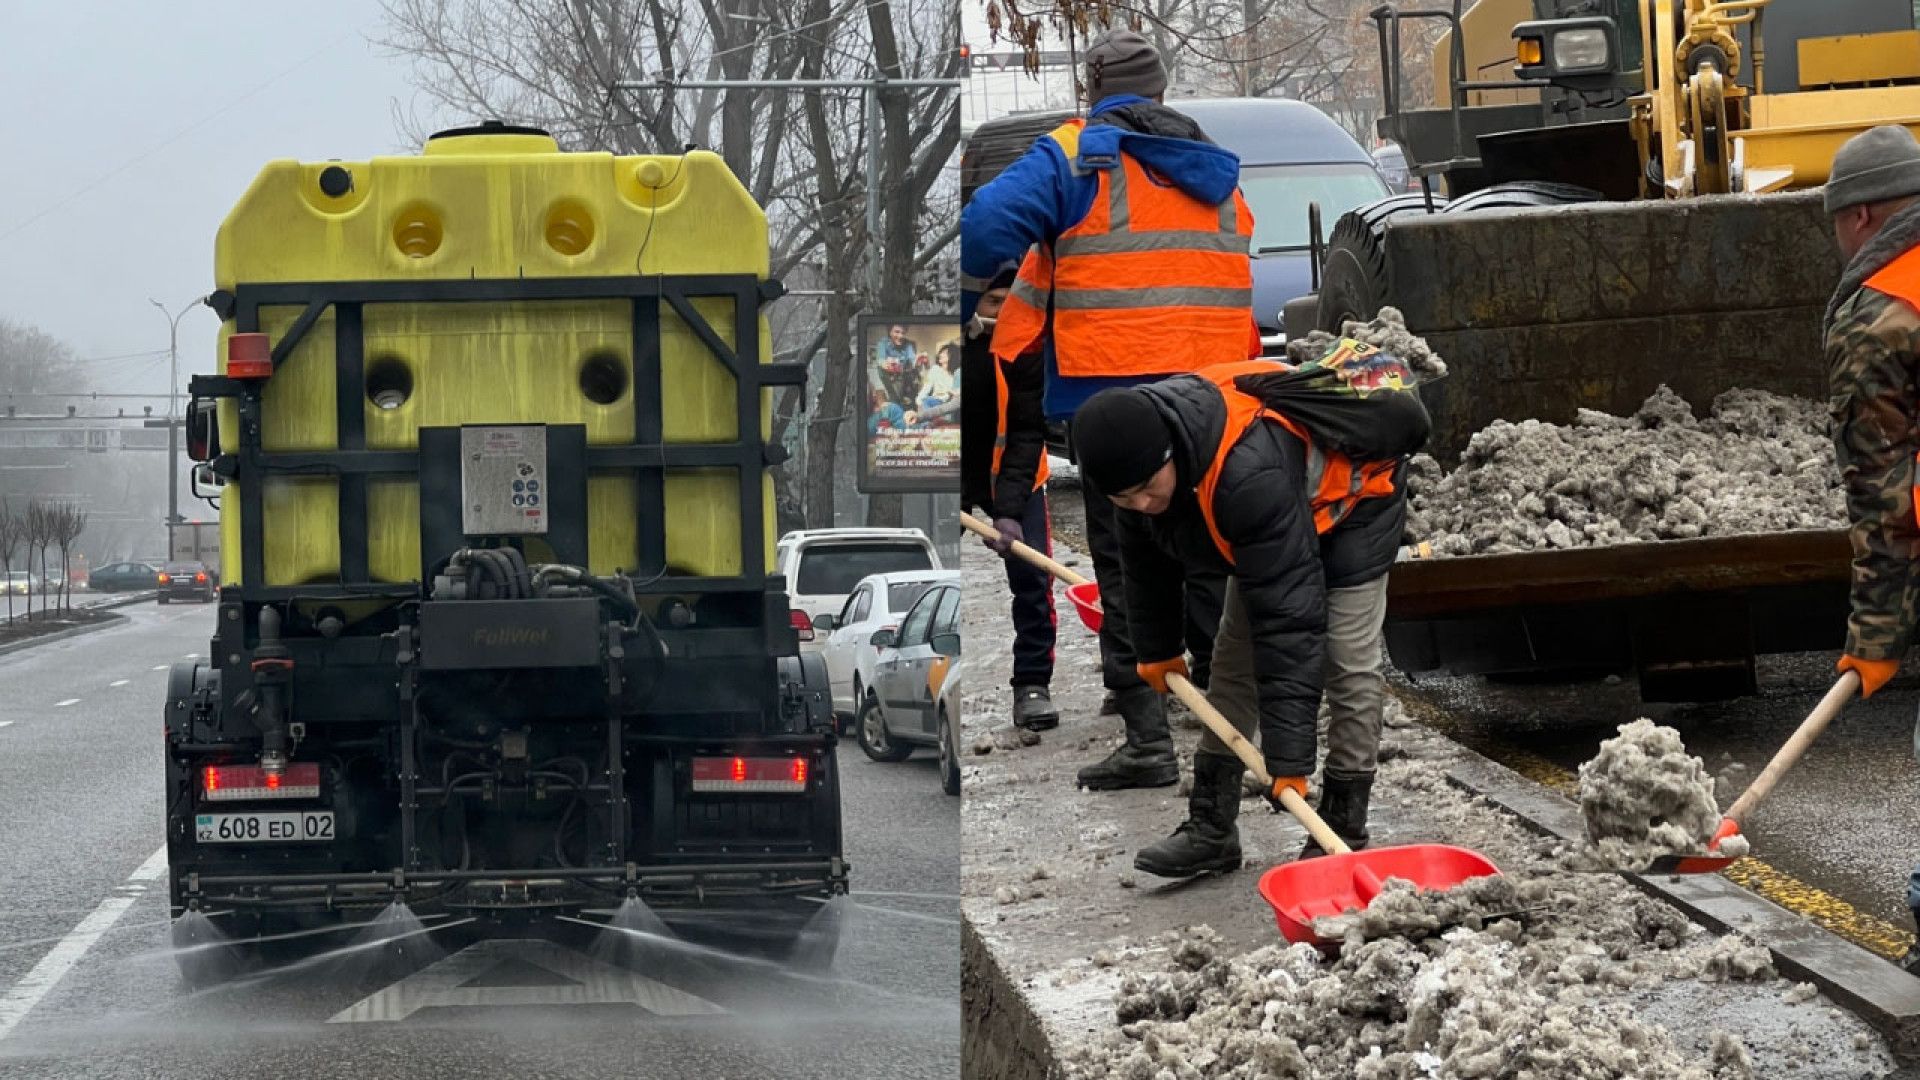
pixel 304 826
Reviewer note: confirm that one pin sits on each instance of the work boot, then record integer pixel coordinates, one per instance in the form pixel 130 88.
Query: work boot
pixel 1343 806
pixel 1033 709
pixel 1208 841
pixel 1147 759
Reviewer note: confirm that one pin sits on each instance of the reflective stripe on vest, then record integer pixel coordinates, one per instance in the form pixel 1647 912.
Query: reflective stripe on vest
pixel 1001 394
pixel 1900 279
pixel 1338 486
pixel 1151 282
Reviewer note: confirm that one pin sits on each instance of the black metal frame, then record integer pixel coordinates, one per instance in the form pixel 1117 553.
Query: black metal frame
pixel 352 463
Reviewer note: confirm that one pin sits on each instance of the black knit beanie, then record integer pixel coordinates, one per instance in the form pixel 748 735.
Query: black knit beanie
pixel 1120 440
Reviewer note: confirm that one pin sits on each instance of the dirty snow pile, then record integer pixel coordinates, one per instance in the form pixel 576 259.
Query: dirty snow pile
pixel 1387 331
pixel 1644 796
pixel 1758 462
pixel 1403 909
pixel 1544 999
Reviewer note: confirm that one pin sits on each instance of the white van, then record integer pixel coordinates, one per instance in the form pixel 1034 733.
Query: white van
pixel 824 566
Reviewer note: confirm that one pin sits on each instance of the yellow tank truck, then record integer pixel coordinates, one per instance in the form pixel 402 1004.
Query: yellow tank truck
pixel 497 632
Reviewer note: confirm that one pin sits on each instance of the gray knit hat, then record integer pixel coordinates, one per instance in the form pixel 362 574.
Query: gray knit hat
pixel 1123 62
pixel 1876 165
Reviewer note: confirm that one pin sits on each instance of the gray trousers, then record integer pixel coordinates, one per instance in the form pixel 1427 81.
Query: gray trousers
pixel 1355 687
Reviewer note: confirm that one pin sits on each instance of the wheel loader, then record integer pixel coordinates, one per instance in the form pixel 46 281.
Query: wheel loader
pixel 498 633
pixel 1614 197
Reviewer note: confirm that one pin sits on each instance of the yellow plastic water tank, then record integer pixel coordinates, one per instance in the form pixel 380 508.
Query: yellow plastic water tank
pixel 500 205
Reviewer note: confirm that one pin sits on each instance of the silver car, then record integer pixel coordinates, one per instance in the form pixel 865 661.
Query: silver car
pixel 903 710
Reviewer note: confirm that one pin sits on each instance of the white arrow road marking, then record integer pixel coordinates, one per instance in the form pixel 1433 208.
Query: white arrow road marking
pixel 53 967
pixel 590 982
pixel 119 682
pixel 64 704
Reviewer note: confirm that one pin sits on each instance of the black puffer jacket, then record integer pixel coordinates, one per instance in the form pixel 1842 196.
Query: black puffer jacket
pixel 1003 494
pixel 1282 569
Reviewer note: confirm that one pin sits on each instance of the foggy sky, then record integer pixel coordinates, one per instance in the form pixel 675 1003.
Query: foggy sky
pixel 95 86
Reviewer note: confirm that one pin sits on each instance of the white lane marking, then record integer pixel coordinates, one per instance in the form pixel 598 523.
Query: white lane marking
pixel 38 983
pixel 64 704
pixel 4 723
pixel 159 667
pixel 588 982
pixel 119 682
pixel 191 656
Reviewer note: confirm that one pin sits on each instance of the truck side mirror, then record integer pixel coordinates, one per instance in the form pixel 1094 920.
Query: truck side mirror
pixel 203 430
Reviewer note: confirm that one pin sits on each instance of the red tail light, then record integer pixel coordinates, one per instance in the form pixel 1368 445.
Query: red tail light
pixel 744 775
pixel 802 625
pixel 200 578
pixel 164 579
pixel 225 783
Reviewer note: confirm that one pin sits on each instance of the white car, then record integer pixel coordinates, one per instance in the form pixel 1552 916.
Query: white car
pixel 823 566
pixel 877 603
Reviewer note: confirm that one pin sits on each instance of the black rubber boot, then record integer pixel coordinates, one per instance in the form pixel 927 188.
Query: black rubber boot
pixel 1343 806
pixel 1207 842
pixel 1033 709
pixel 1147 760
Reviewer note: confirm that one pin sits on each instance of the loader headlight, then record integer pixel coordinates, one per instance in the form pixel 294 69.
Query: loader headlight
pixel 1582 50
pixel 1566 50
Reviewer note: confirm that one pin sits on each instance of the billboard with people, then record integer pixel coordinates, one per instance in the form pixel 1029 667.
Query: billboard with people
pixel 910 393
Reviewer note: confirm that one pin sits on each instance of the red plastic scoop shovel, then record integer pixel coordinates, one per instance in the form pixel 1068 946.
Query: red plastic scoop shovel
pixel 1789 755
pixel 1343 879
pixel 1084 594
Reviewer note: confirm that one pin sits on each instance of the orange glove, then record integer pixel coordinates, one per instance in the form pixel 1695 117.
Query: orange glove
pixel 1296 784
pixel 1874 674
pixel 1156 673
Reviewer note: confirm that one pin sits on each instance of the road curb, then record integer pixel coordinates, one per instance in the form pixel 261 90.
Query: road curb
pixel 1002 1037
pixel 76 631
pixel 1879 993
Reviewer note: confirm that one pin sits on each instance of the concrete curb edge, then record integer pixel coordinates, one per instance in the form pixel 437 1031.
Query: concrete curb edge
pixel 1876 991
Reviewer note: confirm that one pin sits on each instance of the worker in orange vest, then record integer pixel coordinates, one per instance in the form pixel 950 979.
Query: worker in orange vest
pixel 1014 497
pixel 1873 361
pixel 1206 475
pixel 1132 242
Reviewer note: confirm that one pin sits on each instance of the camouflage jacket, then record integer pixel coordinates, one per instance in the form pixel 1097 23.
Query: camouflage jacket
pixel 1873 353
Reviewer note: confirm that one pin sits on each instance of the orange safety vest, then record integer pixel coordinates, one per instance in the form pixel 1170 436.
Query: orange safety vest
pixel 1338 483
pixel 1900 279
pixel 1151 282
pixel 1000 433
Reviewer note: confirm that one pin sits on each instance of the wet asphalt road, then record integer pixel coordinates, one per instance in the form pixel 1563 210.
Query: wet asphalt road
pixel 80 813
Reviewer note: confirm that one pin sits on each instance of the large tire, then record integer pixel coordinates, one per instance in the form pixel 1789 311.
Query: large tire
pixel 1354 282
pixel 872 728
pixel 1522 194
pixel 949 756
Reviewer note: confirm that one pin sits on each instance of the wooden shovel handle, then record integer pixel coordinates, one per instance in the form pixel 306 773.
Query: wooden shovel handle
pixel 1789 755
pixel 1255 764
pixel 982 529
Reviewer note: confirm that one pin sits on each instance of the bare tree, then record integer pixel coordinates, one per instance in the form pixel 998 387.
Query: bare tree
pixel 39 537
pixel 13 528
pixel 69 521
pixel 802 156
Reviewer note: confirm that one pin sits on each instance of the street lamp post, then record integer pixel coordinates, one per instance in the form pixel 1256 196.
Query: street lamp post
pixel 173 412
